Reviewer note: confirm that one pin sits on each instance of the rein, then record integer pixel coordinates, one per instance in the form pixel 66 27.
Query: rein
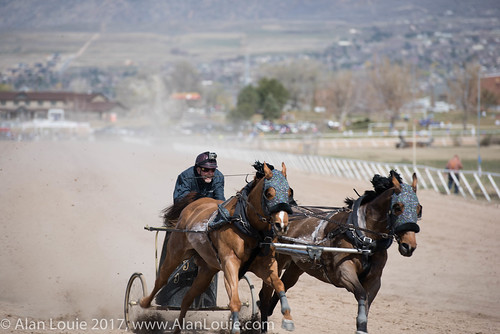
pixel 344 227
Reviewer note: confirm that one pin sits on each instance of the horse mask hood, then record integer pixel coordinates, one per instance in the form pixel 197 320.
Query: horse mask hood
pixel 407 221
pixel 280 202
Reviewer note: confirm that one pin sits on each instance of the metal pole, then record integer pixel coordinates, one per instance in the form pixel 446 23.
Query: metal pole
pixel 283 246
pixel 414 146
pixel 478 120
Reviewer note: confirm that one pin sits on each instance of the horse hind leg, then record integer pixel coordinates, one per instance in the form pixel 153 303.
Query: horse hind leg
pixel 200 284
pixel 172 260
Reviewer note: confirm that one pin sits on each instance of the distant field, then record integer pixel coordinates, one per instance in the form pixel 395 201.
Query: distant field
pixel 151 50
pixel 434 156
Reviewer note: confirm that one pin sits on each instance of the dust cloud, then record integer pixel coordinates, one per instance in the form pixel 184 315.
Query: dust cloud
pixel 72 219
pixel 72 222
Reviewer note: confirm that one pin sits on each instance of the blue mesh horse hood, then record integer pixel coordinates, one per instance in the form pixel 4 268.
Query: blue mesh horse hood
pixel 280 202
pixel 409 217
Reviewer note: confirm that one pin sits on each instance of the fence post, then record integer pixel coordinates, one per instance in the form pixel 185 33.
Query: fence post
pixel 445 185
pixel 469 188
pixel 478 180
pixel 494 184
pixel 350 163
pixel 431 180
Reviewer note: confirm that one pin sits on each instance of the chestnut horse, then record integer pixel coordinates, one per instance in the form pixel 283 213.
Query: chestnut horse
pixel 231 245
pixel 369 225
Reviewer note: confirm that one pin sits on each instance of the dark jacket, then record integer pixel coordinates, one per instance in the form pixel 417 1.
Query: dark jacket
pixel 189 180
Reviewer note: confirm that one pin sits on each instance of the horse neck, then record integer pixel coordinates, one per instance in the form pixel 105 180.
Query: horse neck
pixel 254 207
pixel 376 211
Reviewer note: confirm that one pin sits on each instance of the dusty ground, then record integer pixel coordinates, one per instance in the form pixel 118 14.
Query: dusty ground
pixel 72 234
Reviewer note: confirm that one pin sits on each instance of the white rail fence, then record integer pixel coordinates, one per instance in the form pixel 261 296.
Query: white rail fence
pixel 471 184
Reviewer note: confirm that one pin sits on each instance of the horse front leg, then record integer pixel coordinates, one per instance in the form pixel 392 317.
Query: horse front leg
pixel 269 300
pixel 372 286
pixel 265 305
pixel 362 318
pixel 267 270
pixel 231 267
pixel 349 280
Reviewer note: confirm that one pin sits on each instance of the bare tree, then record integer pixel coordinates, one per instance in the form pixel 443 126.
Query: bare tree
pixel 391 87
pixel 463 89
pixel 184 77
pixel 338 95
pixel 300 78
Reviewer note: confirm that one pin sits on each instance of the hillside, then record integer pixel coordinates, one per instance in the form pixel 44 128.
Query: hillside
pixel 158 15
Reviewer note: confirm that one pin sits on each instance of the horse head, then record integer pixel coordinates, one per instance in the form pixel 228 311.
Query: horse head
pixel 275 197
pixel 404 212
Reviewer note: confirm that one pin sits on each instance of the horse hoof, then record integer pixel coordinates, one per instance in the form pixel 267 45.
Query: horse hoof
pixel 361 332
pixel 288 325
pixel 143 303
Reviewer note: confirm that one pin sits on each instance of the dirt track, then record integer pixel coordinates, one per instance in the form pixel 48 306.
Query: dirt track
pixel 72 234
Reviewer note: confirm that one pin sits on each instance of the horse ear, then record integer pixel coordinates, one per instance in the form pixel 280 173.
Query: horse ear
pixel 268 173
pixel 414 183
pixel 396 184
pixel 283 169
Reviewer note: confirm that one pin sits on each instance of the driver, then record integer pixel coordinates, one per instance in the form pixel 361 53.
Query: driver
pixel 207 181
pixel 203 178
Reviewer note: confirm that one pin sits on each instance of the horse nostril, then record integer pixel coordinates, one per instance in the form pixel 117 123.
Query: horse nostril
pixel 405 249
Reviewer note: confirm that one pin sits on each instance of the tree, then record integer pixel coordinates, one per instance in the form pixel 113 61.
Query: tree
pixel 270 108
pixel 272 87
pixel 247 104
pixel 300 78
pixel 338 95
pixel 215 97
pixel 391 86
pixel 141 94
pixel 183 78
pixel 463 89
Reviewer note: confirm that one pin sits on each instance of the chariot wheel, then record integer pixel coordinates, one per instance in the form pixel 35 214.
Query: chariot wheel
pixel 248 298
pixel 136 289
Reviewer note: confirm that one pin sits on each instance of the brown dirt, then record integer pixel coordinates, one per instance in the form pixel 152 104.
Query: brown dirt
pixel 72 234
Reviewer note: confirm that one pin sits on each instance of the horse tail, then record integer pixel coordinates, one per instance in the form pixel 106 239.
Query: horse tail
pixel 171 214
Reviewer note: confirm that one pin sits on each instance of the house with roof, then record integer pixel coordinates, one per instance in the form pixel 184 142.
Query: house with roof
pixel 26 106
pixel 491 83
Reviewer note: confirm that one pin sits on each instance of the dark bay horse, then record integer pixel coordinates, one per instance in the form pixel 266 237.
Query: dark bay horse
pixel 368 224
pixel 253 215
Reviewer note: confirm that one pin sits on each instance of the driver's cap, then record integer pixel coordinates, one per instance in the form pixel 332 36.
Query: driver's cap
pixel 207 160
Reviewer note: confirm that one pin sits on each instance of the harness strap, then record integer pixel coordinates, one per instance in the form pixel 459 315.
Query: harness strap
pixel 358 238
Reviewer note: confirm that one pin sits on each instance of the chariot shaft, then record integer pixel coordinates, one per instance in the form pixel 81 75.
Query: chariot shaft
pixel 311 249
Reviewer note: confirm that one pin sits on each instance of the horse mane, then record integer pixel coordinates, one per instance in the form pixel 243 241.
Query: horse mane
pixel 259 174
pixel 259 167
pixel 171 214
pixel 380 185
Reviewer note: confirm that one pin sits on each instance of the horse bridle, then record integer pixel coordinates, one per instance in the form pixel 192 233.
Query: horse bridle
pixel 278 182
pixel 407 221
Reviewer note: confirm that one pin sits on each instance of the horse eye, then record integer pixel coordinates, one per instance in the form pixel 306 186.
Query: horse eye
pixel 290 192
pixel 419 212
pixel 270 193
pixel 398 208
